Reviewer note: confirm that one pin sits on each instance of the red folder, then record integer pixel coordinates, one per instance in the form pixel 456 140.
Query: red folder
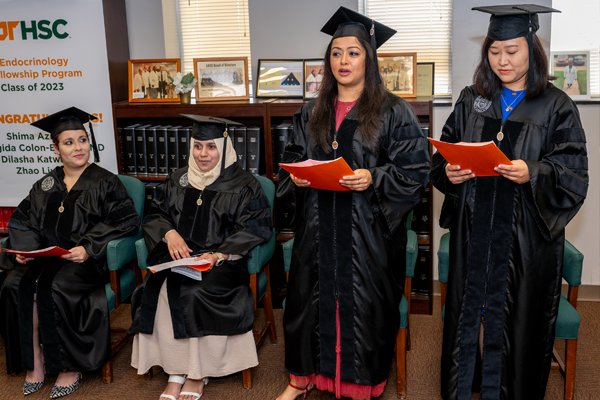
pixel 47 252
pixel 321 174
pixel 480 158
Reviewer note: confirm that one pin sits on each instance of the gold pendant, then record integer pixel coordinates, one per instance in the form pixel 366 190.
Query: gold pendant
pixel 509 108
pixel 514 93
pixel 199 201
pixel 334 144
pixel 500 136
pixel 61 209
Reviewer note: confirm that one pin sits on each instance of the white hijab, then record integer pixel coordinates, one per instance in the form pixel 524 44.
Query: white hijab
pixel 199 179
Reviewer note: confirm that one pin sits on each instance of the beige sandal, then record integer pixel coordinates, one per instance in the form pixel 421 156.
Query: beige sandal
pixel 177 379
pixel 196 395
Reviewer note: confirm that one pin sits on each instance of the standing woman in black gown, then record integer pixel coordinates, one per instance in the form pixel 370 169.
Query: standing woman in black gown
pixel 508 231
pixel 349 256
pixel 53 311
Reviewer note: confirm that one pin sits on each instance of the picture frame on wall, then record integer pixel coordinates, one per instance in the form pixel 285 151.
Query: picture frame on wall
pixel 280 78
pixel 221 78
pixel 149 80
pixel 398 73
pixel 425 79
pixel 571 69
pixel 313 76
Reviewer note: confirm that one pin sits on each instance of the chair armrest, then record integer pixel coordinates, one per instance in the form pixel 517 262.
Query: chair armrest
pixel 121 251
pixel 3 241
pixel 572 264
pixel 444 257
pixel 261 254
pixel 142 253
pixel 412 252
pixel 287 254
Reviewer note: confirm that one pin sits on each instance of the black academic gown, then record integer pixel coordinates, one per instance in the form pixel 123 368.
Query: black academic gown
pixel 234 217
pixel 507 242
pixel 71 299
pixel 351 245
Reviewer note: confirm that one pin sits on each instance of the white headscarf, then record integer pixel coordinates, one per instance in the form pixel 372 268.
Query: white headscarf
pixel 199 179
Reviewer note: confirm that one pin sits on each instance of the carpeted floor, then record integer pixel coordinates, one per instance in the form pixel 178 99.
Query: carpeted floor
pixel 270 379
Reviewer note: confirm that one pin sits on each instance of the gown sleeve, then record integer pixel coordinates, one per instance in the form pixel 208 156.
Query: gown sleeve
pixel 120 218
pixel 253 222
pixel 451 133
pixel 399 183
pixel 158 221
pixel 559 180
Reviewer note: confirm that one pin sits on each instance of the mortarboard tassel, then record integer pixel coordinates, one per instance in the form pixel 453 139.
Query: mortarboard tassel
pixel 374 46
pixel 531 77
pixel 96 155
pixel 225 137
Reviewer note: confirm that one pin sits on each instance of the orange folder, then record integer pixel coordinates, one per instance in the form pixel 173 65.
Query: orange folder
pixel 321 174
pixel 47 252
pixel 481 158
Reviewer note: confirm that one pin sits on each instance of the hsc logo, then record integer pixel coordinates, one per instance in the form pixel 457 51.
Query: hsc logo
pixel 43 29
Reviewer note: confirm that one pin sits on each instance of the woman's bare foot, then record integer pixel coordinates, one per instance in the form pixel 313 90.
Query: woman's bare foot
pixel 66 378
pixel 291 393
pixel 173 388
pixel 192 386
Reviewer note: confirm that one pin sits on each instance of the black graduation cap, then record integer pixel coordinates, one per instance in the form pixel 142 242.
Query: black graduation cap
pixel 209 128
pixel 346 22
pixel 69 119
pixel 515 21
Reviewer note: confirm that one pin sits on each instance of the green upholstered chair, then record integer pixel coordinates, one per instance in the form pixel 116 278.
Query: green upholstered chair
pixel 258 267
pixel 568 320
pixel 402 339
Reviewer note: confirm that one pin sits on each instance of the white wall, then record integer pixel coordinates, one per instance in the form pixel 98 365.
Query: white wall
pixel 145 29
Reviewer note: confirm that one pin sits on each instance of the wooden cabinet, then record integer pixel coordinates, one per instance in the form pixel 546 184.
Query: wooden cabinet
pixel 264 113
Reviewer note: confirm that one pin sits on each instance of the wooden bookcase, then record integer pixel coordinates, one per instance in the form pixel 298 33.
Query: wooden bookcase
pixel 263 113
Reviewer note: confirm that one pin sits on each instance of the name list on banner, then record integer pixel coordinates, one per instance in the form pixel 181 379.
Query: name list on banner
pixel 52 56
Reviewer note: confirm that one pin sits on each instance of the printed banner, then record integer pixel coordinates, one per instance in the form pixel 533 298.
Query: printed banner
pixel 52 56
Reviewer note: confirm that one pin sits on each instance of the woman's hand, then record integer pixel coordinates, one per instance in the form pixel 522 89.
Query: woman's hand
pixel 177 246
pixel 211 258
pixel 23 260
pixel 456 176
pixel 299 182
pixel 518 172
pixel 78 255
pixel 360 181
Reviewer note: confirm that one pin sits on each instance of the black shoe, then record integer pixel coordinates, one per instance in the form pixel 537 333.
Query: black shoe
pixel 60 391
pixel 31 387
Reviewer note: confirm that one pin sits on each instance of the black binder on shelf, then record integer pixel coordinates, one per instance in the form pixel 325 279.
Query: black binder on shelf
pixel 425 128
pixel 420 282
pixel 140 150
pixel 151 189
pixel 239 136
pixel 151 157
pixel 183 138
pixel 162 161
pixel 280 139
pixel 172 149
pixel 421 217
pixel 129 149
pixel 253 150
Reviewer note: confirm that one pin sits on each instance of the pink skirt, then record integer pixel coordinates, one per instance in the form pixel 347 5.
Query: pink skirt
pixel 352 390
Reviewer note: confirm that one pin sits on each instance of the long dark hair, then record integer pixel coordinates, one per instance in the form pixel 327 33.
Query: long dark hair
pixel 368 105
pixel 490 86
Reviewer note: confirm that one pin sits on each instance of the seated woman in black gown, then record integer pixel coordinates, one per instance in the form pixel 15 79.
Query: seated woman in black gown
pixel 214 209
pixel 80 207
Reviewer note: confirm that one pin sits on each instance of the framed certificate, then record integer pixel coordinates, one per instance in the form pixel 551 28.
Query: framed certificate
pixel 221 78
pixel 425 79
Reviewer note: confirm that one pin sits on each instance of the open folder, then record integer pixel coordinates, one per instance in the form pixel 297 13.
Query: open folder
pixel 480 158
pixel 321 174
pixel 47 252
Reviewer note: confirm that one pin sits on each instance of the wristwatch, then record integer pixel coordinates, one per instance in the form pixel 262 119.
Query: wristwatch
pixel 220 258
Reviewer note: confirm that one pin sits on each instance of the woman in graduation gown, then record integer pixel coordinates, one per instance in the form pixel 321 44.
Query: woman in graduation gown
pixel 54 311
pixel 349 256
pixel 214 209
pixel 508 231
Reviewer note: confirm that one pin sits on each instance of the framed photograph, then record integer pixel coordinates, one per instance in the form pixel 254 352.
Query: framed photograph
pixel 221 78
pixel 313 75
pixel 571 69
pixel 399 73
pixel 425 79
pixel 280 78
pixel 149 80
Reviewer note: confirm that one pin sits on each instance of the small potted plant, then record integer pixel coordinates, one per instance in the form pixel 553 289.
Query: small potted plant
pixel 183 86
